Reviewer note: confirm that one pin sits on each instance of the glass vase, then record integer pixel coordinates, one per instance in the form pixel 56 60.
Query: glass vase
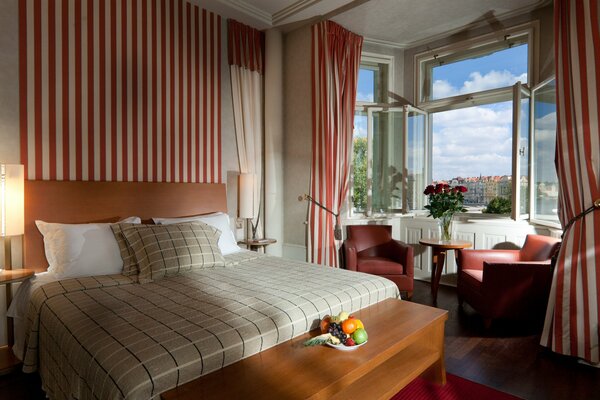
pixel 445 223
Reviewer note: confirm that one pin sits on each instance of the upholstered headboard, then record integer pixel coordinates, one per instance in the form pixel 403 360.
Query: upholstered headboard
pixel 80 202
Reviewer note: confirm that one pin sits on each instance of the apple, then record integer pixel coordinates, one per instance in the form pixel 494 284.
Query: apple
pixel 360 336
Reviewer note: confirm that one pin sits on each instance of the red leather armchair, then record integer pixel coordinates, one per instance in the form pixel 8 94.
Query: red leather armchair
pixel 512 284
pixel 371 249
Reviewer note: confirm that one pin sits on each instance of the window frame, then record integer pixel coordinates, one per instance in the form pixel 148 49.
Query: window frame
pixel 406 110
pixel 532 219
pixel 369 59
pixel 374 59
pixel 423 65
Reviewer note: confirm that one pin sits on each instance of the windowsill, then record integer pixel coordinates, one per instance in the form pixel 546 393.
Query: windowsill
pixel 378 217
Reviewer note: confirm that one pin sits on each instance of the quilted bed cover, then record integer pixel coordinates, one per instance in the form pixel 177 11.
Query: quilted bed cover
pixel 106 337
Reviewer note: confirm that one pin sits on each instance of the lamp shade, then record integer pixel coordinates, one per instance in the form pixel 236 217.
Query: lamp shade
pixel 246 196
pixel 12 206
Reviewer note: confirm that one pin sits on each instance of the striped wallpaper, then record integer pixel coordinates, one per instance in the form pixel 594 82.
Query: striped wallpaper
pixel 120 90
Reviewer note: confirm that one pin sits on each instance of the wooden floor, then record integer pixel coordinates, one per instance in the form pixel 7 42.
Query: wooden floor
pixel 507 357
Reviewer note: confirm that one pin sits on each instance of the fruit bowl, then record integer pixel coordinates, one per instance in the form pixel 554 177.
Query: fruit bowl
pixel 343 347
pixel 342 332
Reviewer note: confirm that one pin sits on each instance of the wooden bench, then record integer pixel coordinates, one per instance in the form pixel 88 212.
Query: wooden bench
pixel 406 340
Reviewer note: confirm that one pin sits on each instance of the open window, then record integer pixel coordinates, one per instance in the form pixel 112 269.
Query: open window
pixel 544 181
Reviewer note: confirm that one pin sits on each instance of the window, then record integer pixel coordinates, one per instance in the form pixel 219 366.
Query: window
pixel 374 76
pixel 479 103
pixel 545 182
pixel 387 141
pixel 480 65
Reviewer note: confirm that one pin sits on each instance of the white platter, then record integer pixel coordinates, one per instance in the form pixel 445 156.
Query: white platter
pixel 344 347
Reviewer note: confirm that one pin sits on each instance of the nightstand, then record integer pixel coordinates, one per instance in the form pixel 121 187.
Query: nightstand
pixel 255 244
pixel 8 361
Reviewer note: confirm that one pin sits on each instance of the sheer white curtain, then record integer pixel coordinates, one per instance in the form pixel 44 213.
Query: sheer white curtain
pixel 246 49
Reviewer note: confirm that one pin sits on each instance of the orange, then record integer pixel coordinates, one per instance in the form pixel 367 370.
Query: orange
pixel 349 325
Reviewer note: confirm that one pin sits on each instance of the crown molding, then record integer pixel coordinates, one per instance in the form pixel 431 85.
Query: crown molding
pixel 292 9
pixel 249 10
pixel 385 43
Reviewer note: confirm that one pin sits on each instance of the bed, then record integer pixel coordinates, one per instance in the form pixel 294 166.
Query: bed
pixel 110 337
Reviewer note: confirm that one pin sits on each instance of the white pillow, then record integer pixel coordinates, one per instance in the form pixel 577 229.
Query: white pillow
pixel 227 243
pixel 75 250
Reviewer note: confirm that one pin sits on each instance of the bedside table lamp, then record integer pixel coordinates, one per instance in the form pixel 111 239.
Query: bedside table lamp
pixel 246 206
pixel 12 209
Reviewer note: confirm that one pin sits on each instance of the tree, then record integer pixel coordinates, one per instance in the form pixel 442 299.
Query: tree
pixel 360 173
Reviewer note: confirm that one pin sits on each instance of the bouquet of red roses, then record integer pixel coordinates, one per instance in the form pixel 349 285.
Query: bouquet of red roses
pixel 445 200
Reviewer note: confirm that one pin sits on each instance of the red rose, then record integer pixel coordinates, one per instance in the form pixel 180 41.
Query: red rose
pixel 429 190
pixel 462 189
pixel 455 190
pixel 439 189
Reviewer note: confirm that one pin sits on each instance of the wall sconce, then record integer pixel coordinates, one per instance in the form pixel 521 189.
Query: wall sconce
pixel 12 206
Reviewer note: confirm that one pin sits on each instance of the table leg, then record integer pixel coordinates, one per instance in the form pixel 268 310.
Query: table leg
pixel 437 266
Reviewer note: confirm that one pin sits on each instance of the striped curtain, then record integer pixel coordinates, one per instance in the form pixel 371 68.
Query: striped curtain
pixel 571 326
pixel 120 90
pixel 335 64
pixel 246 63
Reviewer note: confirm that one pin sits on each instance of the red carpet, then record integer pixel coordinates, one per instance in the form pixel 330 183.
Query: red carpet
pixel 456 388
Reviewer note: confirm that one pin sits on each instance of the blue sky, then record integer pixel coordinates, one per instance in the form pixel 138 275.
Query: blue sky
pixel 475 140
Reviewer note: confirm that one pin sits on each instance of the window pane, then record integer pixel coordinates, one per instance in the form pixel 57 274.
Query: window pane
pixel 416 161
pixel 366 85
pixel 387 161
pixel 502 68
pixel 473 147
pixel 358 189
pixel 524 157
pixel 544 133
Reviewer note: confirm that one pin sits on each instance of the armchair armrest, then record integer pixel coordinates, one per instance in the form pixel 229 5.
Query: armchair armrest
pixel 519 288
pixel 474 259
pixel 404 254
pixel 350 254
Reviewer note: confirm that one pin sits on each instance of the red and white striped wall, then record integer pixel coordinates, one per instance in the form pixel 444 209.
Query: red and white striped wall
pixel 116 90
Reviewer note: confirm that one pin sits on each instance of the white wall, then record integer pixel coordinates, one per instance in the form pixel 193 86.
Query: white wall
pixel 274 140
pixel 297 138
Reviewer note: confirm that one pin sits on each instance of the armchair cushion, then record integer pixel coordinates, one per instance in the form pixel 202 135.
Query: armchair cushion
pixel 379 266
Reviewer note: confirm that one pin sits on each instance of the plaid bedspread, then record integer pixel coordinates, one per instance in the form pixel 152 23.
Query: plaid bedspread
pixel 107 337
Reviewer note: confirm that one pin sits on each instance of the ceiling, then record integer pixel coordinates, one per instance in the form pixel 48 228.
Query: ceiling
pixel 397 23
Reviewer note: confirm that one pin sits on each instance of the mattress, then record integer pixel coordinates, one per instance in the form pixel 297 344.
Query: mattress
pixel 108 337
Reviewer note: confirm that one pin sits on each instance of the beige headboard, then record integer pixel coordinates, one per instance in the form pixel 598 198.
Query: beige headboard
pixel 80 202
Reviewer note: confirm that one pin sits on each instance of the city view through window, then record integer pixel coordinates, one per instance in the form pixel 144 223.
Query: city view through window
pixel 473 147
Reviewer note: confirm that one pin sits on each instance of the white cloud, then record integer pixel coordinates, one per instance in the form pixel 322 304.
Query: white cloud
pixel 473 141
pixel 476 83
pixel 362 96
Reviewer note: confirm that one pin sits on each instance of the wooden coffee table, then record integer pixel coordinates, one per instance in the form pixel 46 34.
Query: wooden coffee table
pixel 406 340
pixel 438 258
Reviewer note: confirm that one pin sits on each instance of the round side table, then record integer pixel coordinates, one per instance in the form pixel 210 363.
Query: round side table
pixel 439 250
